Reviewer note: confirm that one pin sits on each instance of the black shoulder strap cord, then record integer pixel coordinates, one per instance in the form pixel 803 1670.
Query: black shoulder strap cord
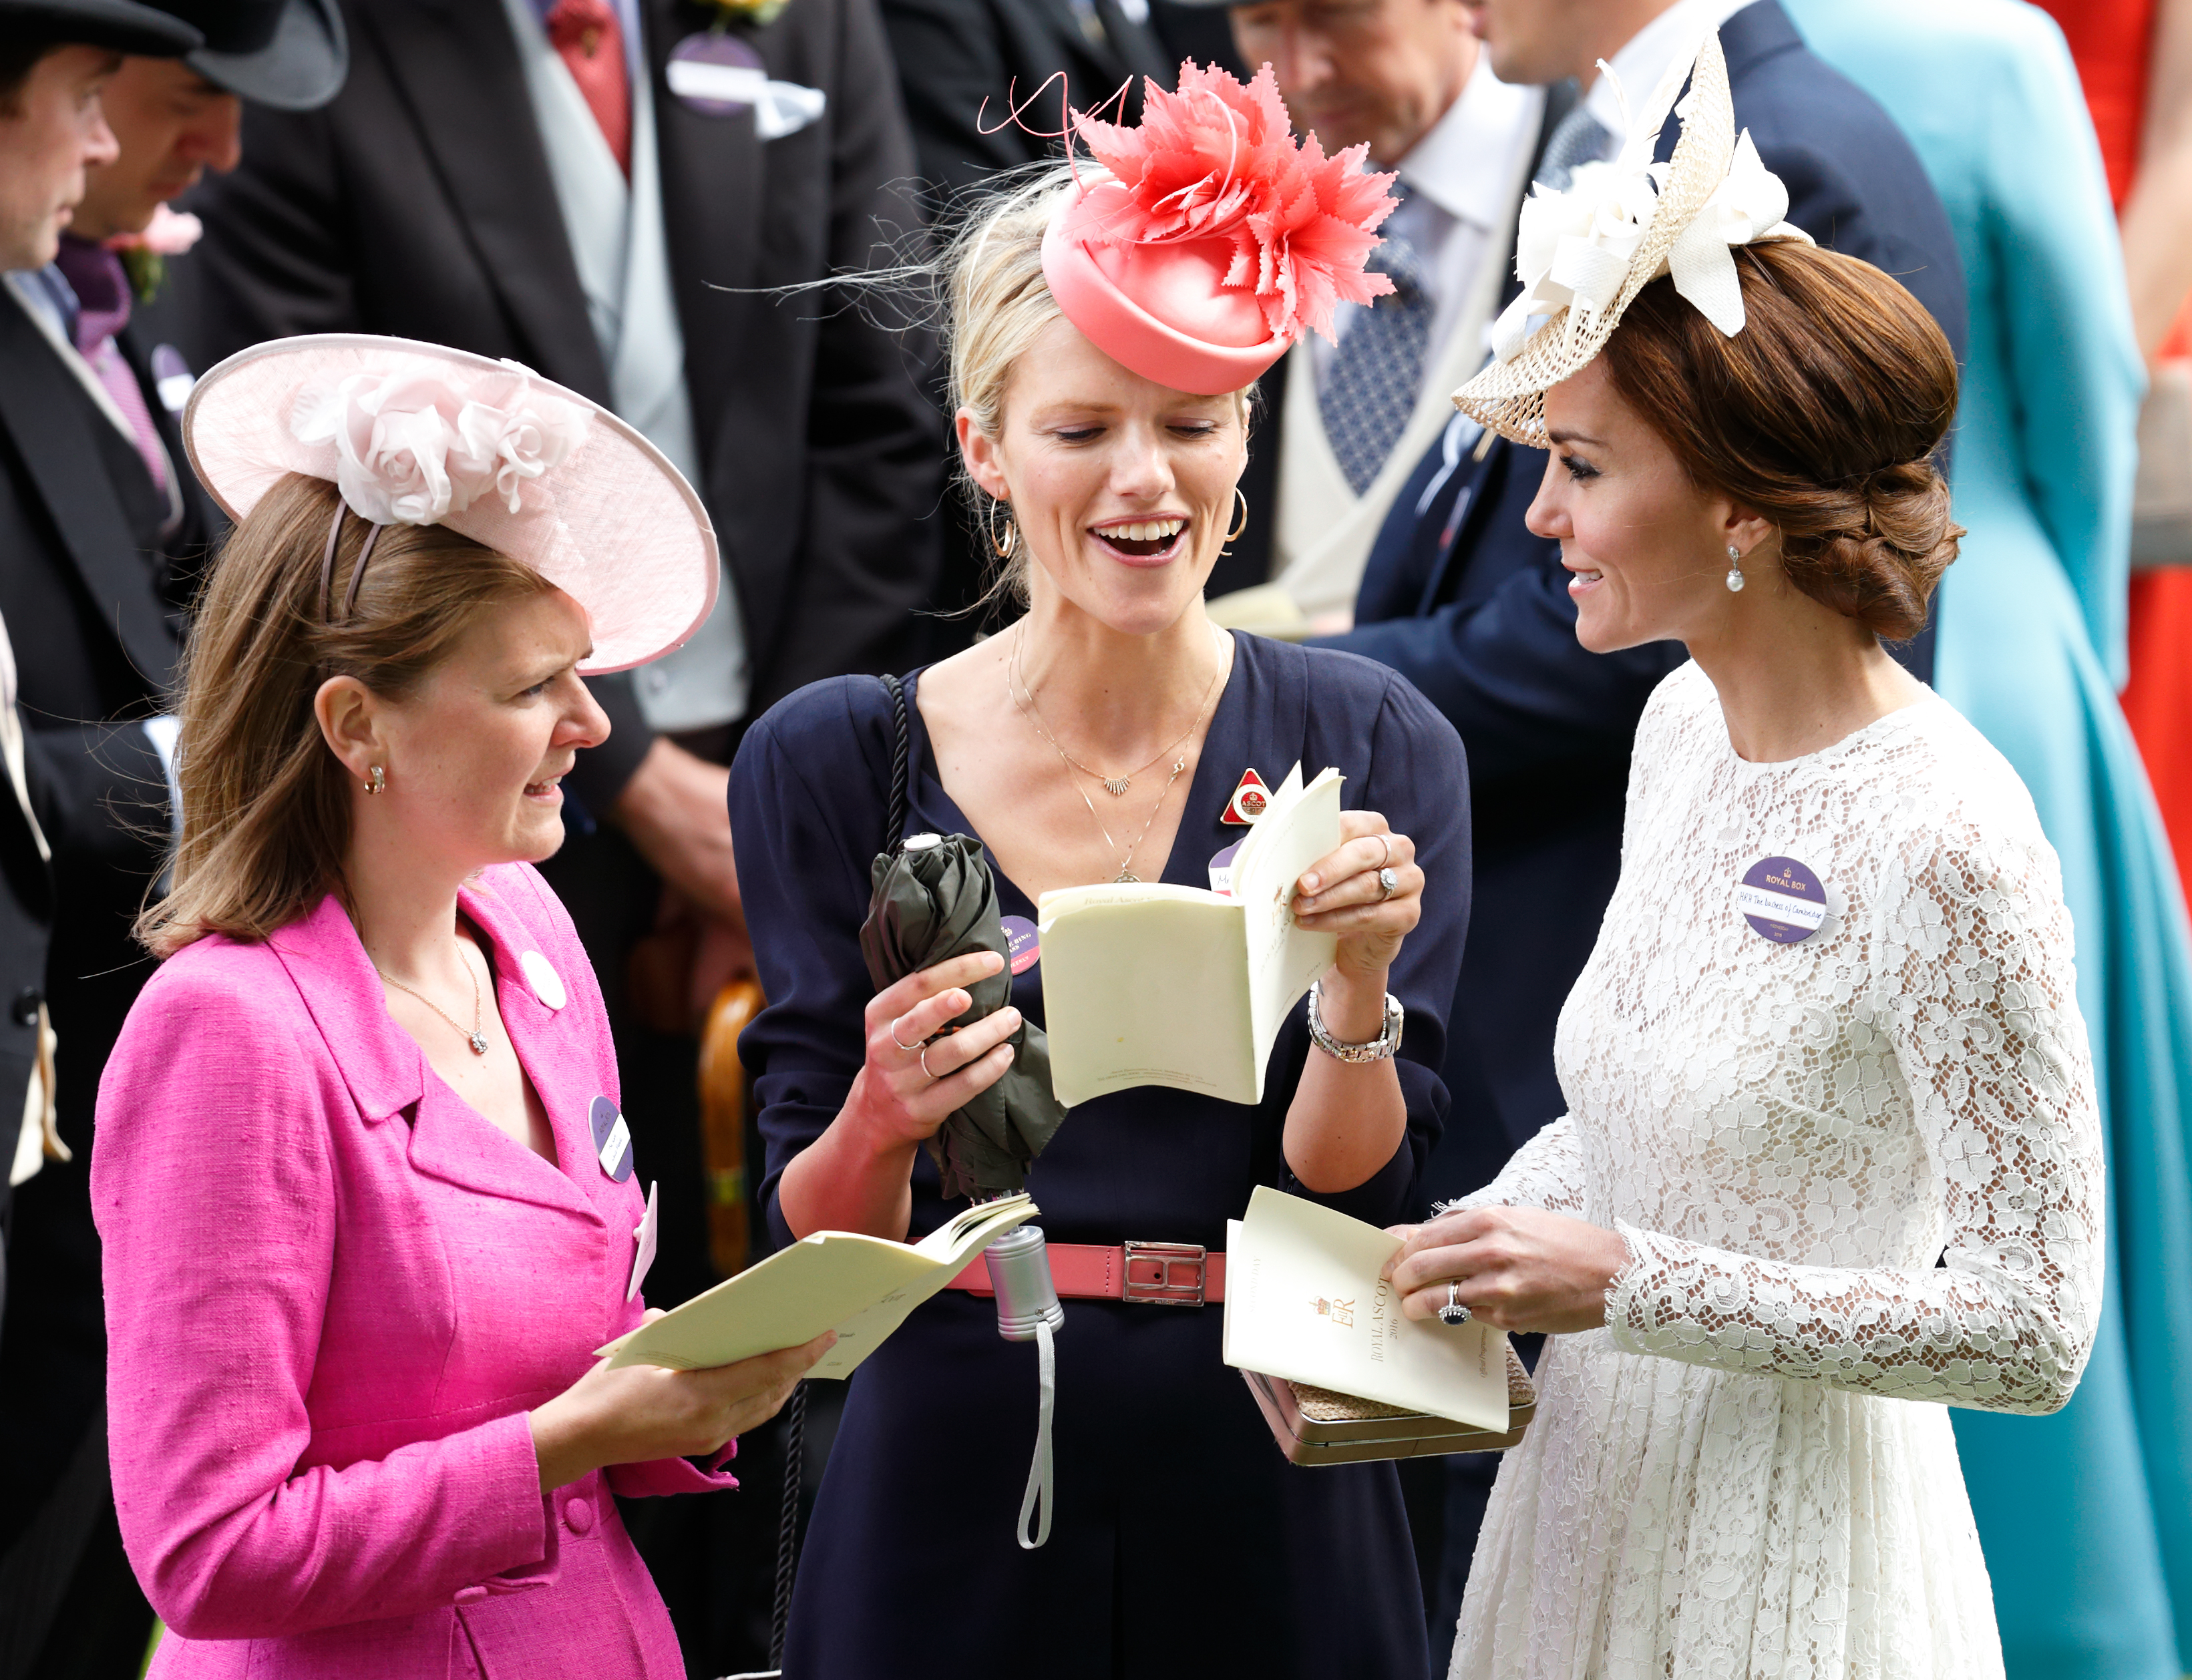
pixel 795 1431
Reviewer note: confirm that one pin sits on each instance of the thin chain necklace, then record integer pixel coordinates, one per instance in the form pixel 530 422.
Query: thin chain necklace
pixel 1116 786
pixel 1024 702
pixel 474 1037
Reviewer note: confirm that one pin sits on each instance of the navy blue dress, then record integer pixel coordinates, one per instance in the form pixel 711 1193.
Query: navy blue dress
pixel 1184 1544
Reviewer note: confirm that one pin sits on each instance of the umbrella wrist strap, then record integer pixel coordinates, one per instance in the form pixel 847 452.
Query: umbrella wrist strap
pixel 1039 1483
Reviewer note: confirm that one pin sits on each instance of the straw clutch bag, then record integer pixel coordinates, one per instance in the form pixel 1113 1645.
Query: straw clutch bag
pixel 1315 1425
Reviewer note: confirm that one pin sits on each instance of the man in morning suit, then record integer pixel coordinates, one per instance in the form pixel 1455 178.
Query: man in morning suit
pixel 1341 424
pixel 102 529
pixel 1472 608
pixel 555 182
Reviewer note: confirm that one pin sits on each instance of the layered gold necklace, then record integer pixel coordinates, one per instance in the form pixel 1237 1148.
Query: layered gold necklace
pixel 1023 697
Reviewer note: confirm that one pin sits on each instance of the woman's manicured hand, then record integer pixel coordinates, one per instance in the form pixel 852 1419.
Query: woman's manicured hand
pixel 1521 1269
pixel 1340 893
pixel 896 1098
pixel 641 1413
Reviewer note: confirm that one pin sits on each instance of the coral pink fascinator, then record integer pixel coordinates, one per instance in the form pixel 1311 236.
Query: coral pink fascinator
pixel 1215 239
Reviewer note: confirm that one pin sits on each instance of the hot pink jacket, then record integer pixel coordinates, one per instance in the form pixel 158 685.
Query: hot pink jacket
pixel 333 1291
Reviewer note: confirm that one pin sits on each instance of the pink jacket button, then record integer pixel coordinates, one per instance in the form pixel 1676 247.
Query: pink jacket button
pixel 579 1513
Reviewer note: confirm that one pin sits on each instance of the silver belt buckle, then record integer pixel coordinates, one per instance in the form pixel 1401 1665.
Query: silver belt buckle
pixel 1165 1274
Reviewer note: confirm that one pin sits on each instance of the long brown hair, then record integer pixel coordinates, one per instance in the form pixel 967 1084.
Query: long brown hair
pixel 266 815
pixel 1823 414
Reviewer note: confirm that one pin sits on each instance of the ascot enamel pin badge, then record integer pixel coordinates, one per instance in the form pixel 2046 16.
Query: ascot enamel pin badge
pixel 1250 800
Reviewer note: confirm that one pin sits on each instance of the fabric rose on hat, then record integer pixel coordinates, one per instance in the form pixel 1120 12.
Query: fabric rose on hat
pixel 503 446
pixel 413 450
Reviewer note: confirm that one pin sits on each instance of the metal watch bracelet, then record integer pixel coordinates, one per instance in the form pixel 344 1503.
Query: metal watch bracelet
pixel 1375 1050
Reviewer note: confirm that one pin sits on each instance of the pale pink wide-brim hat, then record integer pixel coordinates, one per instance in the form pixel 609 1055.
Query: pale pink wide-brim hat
pixel 418 433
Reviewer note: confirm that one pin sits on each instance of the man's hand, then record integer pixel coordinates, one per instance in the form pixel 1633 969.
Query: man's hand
pixel 675 808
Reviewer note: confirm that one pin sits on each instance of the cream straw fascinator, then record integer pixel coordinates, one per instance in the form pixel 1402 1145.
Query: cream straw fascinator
pixel 1584 254
pixel 416 434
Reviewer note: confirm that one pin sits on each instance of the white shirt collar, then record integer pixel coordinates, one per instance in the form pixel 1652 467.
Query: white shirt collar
pixel 1644 58
pixel 1461 165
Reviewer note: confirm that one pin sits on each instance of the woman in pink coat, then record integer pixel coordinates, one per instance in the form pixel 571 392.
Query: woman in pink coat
pixel 368 1202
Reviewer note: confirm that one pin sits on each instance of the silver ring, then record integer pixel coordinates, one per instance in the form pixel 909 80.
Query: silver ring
pixel 908 1048
pixel 1454 1313
pixel 1385 840
pixel 1389 882
pixel 924 1064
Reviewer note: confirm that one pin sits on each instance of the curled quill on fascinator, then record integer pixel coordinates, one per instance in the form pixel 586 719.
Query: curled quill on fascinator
pixel 935 899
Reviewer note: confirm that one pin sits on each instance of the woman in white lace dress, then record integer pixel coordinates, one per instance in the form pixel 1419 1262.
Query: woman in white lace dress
pixel 1821 1176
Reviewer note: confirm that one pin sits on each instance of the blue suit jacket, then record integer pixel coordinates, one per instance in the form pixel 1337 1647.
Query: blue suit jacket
pixel 1461 598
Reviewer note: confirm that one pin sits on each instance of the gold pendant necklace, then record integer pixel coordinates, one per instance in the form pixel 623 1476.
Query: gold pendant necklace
pixel 1023 701
pixel 474 1037
pixel 1116 786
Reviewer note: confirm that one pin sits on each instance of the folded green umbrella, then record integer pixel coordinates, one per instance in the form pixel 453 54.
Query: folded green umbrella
pixel 935 899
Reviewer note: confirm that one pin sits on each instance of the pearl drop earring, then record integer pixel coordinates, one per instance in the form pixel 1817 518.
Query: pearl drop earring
pixel 1734 570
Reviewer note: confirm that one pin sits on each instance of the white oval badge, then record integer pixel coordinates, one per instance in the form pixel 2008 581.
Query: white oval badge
pixel 1782 900
pixel 540 975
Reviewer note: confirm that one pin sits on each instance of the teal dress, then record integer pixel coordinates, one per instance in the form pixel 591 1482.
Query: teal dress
pixel 2086 1516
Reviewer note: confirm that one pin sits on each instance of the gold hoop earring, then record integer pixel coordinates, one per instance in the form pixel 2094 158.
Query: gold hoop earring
pixel 376 780
pixel 1234 535
pixel 1003 550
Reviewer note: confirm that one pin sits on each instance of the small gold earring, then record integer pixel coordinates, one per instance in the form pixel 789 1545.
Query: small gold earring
pixel 1234 535
pixel 376 780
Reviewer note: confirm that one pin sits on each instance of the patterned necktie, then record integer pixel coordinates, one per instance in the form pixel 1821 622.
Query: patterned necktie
pixel 585 33
pixel 1578 138
pixel 95 274
pixel 1371 389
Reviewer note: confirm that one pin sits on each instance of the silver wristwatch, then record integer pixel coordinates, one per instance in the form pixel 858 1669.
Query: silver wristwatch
pixel 1377 1050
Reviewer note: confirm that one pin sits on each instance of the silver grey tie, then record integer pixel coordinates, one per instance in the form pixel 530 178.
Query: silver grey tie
pixel 1371 389
pixel 1578 138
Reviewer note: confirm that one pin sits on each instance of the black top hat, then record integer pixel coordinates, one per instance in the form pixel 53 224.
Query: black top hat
pixel 291 54
pixel 119 26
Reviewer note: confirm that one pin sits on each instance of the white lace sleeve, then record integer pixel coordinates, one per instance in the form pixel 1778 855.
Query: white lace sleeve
pixel 1976 991
pixel 1546 1173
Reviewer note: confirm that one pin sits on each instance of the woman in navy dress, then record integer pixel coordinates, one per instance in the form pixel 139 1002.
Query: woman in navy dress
pixel 1103 410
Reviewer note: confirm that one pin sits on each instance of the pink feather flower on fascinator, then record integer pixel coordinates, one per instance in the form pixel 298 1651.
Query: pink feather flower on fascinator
pixel 1217 160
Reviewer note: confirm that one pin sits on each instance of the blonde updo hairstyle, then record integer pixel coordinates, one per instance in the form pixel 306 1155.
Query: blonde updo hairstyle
pixel 996 305
pixel 1823 414
pixel 265 804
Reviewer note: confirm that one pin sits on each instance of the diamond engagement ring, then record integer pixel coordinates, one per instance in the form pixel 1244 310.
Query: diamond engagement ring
pixel 1454 1313
pixel 1389 884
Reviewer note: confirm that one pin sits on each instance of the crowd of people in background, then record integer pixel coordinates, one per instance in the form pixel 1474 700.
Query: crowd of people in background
pixel 545 183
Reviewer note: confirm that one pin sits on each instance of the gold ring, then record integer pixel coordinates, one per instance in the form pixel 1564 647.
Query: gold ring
pixel 1385 840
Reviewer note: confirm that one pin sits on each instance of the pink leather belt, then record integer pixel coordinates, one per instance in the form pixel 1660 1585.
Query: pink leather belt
pixel 1154 1274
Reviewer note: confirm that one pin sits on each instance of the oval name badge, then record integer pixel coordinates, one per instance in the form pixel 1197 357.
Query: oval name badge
pixel 1023 945
pixel 715 74
pixel 1782 900
pixel 612 1139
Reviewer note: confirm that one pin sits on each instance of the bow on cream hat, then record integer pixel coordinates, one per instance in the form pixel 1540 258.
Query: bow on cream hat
pixel 417 433
pixel 1584 254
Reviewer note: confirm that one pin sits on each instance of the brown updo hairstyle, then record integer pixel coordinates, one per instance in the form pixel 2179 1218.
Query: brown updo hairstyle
pixel 1822 415
pixel 266 806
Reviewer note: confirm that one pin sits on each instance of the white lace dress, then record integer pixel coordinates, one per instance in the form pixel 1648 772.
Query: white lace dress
pixel 1749 1470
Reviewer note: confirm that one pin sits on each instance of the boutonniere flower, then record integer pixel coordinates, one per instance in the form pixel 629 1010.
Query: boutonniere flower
pixel 759 12
pixel 145 255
